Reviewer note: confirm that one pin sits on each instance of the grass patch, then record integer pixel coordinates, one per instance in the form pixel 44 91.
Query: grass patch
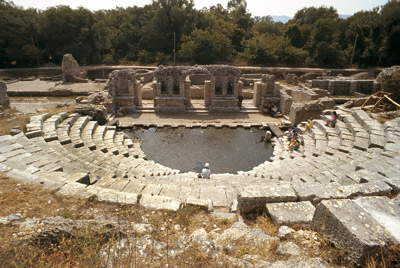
pixel 12 118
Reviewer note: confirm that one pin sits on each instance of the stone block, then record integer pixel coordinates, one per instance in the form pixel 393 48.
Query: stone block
pixel 376 188
pixel 256 197
pixel 350 227
pixel 160 202
pixel 291 213
pixel 112 196
pixel 34 134
pixel 170 190
pixel 315 192
pixel 218 195
pixel 152 189
pixel 202 203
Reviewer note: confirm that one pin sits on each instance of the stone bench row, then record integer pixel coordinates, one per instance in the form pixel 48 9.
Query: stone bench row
pixel 80 131
pixel 24 159
pixel 224 202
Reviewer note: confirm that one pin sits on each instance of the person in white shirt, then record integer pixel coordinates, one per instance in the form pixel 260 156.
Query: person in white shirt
pixel 205 173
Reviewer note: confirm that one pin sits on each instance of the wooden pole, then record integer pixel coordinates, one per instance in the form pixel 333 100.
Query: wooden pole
pixel 354 49
pixel 174 48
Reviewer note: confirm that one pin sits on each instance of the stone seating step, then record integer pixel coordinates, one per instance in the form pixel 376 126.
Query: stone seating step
pixel 327 131
pixel 76 131
pixel 33 161
pixel 98 138
pixel 119 144
pixel 87 135
pixel 49 126
pixel 109 140
pixel 361 136
pixel 35 126
pixel 373 127
pixel 64 128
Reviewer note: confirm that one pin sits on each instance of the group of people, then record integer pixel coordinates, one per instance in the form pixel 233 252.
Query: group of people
pixel 294 138
pixel 119 110
pixel 269 109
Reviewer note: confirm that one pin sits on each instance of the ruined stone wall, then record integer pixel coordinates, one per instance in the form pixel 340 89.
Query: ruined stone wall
pixel 71 72
pixel 286 102
pixel 389 79
pixel 300 112
pixel 304 95
pixel 345 85
pixel 4 100
pixel 145 76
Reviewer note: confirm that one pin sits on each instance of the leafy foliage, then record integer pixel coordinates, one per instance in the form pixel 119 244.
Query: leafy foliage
pixel 316 36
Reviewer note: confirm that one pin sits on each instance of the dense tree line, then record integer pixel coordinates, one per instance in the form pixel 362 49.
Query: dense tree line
pixel 314 37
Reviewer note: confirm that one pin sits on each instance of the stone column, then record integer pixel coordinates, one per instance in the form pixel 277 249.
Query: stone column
pixel 138 94
pixel 187 93
pixel 238 87
pixel 131 87
pixel 257 93
pixel 155 92
pixel 207 93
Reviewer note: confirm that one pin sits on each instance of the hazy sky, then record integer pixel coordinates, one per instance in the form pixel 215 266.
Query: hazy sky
pixel 255 7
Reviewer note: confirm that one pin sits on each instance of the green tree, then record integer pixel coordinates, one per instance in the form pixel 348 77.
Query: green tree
pixel 362 28
pixel 390 18
pixel 293 32
pixel 18 36
pixel 169 17
pixel 205 47
pixel 241 20
pixel 272 50
pixel 268 26
pixel 64 30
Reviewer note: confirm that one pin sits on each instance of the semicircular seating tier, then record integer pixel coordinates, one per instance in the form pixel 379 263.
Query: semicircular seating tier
pixel 75 155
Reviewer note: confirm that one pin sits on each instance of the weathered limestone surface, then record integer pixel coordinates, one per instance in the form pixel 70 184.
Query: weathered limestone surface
pixel 292 79
pixel 71 72
pixel 160 202
pixel 291 213
pixel 252 197
pixel 300 112
pixel 390 79
pixel 4 101
pixel 239 231
pixel 355 225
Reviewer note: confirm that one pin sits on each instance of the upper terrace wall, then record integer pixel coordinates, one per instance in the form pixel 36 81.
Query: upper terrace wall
pixel 102 72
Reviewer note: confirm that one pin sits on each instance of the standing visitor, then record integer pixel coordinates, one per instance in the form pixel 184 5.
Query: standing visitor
pixel 240 98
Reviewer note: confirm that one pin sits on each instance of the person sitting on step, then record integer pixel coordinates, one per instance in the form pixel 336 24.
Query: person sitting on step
pixel 309 125
pixel 332 122
pixel 206 172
